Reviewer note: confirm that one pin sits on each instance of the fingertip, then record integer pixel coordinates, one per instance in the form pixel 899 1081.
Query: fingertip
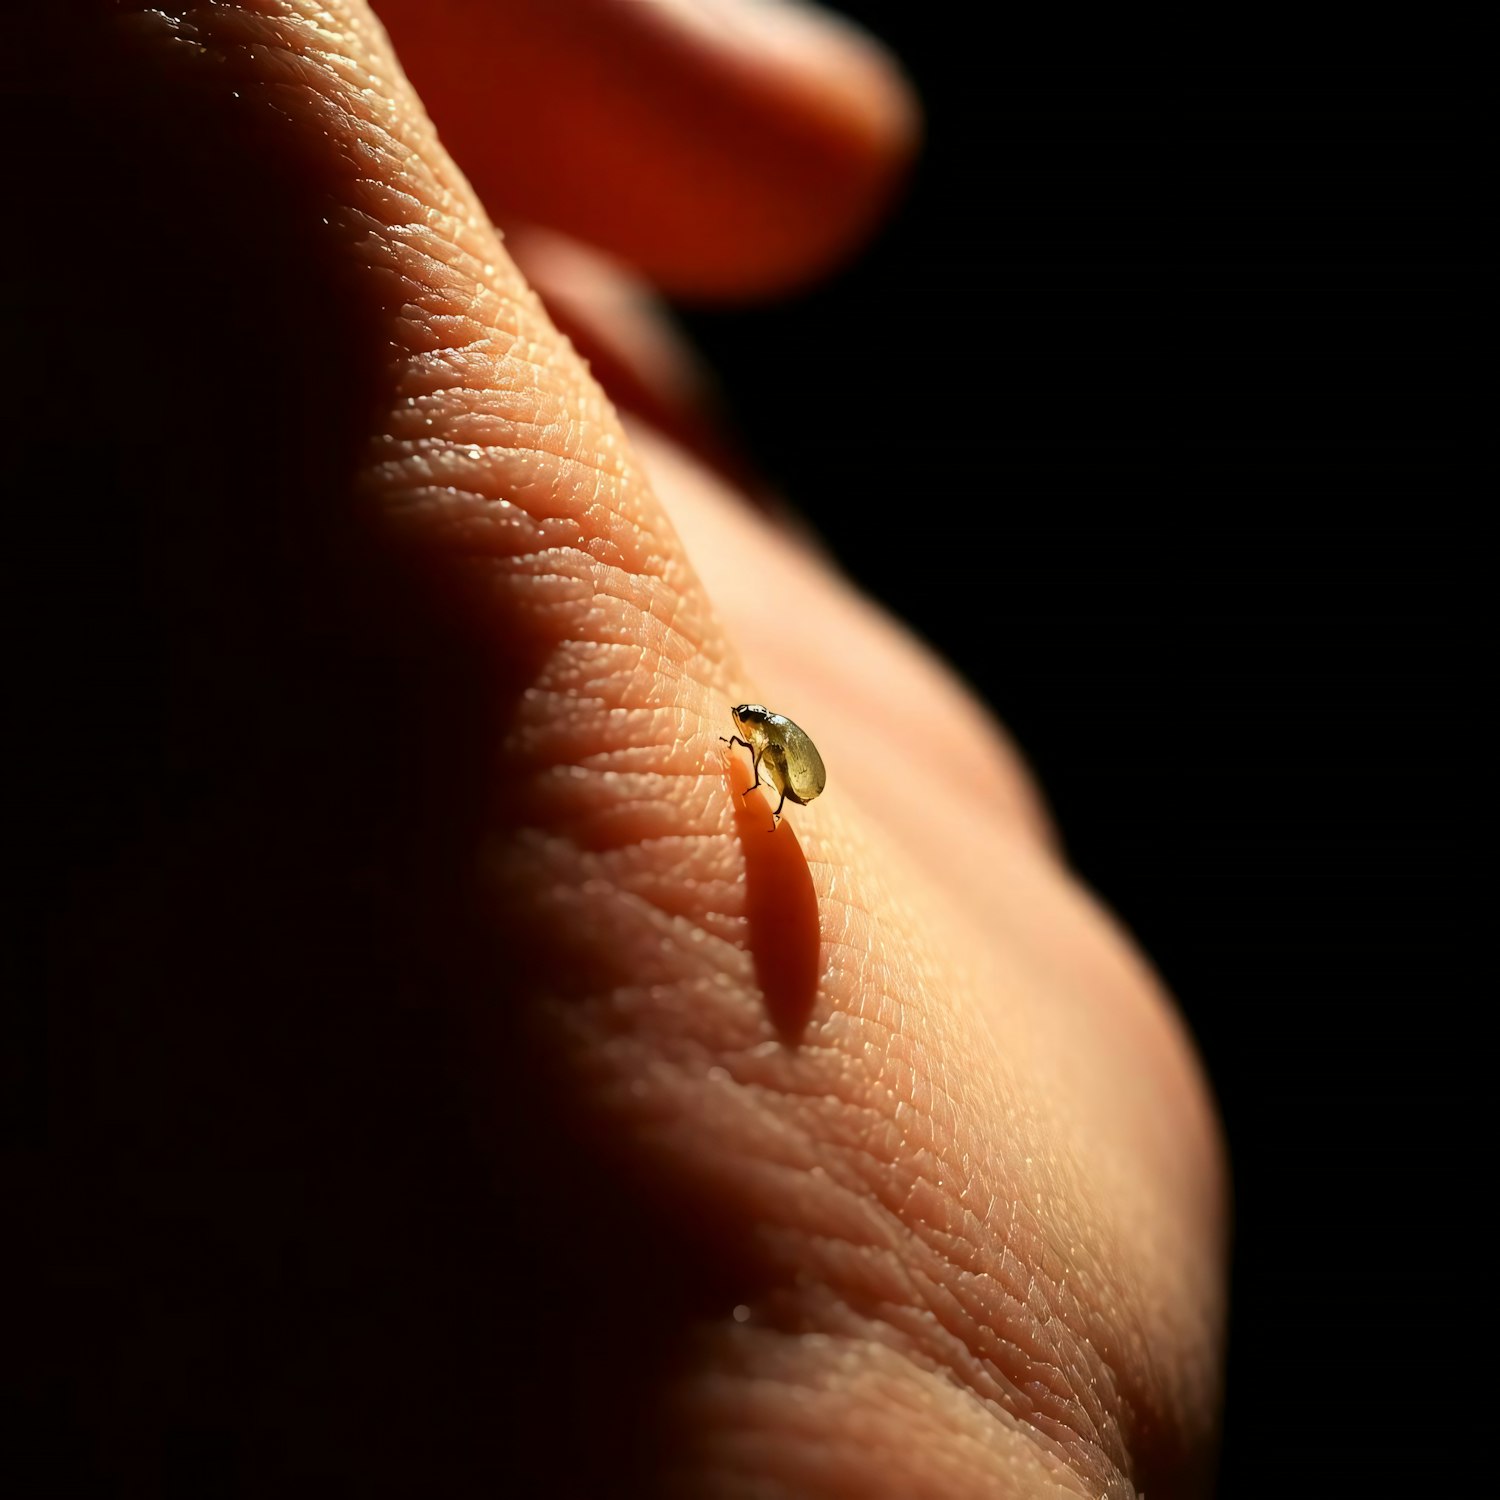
pixel 722 148
pixel 841 127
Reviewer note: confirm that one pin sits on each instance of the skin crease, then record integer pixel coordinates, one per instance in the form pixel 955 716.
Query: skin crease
pixel 485 1097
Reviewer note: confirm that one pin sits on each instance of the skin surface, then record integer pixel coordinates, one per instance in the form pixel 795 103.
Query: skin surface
pixel 445 1096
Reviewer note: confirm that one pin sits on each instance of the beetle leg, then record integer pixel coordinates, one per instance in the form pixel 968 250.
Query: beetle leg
pixel 754 766
pixel 734 739
pixel 776 816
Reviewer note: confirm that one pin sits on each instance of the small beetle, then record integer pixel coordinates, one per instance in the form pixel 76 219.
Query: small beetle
pixel 791 760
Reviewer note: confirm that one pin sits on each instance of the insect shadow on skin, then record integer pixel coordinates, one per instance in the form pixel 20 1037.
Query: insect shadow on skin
pixel 781 904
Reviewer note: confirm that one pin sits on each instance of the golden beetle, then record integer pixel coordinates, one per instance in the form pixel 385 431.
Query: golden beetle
pixel 791 760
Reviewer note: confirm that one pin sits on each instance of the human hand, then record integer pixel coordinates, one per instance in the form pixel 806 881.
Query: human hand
pixel 460 1083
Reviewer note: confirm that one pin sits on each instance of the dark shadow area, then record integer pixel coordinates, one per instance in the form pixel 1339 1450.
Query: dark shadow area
pixel 273 1163
pixel 781 906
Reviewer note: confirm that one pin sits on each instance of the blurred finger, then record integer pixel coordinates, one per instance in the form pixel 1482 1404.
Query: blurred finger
pixel 722 147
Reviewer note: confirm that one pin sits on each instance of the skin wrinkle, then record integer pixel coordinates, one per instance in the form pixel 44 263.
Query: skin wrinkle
pixel 899 1306
pixel 747 1405
pixel 857 1333
pixel 1007 1335
pixel 417 462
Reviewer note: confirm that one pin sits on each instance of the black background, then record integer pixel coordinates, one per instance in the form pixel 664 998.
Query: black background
pixel 1140 411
